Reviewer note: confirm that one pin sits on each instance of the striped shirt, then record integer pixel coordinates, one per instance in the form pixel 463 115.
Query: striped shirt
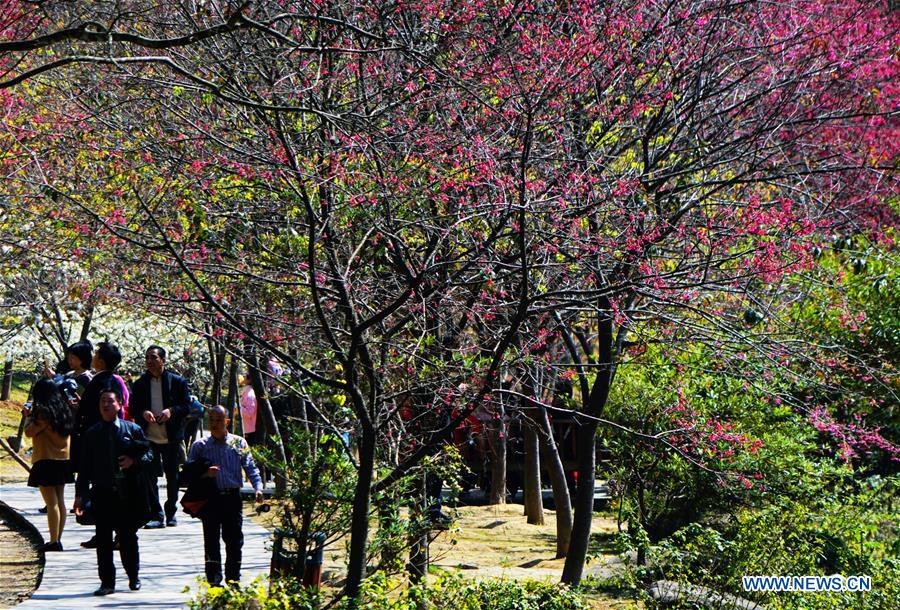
pixel 230 455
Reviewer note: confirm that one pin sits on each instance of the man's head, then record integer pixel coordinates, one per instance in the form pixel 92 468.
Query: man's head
pixel 155 360
pixel 218 421
pixel 110 403
pixel 107 357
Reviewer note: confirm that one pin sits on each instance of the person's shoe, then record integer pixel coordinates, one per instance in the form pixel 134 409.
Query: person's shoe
pixel 51 547
pixel 154 525
pixel 43 510
pixel 134 584
pixel 90 544
pixel 104 590
pixel 439 520
pixel 171 522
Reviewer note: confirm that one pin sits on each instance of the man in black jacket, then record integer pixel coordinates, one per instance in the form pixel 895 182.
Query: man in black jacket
pixel 114 461
pixel 105 360
pixel 160 400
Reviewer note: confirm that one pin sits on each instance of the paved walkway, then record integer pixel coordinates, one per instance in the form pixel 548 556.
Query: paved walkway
pixel 171 559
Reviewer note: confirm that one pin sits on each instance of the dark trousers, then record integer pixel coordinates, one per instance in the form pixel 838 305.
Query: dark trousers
pixel 191 429
pixel 168 459
pixel 222 517
pixel 434 491
pixel 108 508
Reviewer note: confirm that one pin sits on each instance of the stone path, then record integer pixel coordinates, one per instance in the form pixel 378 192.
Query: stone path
pixel 171 559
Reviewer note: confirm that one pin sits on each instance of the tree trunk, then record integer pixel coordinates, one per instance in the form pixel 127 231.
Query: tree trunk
pixel 217 368
pixel 297 407
pixel 534 504
pixel 231 399
pixel 86 322
pixel 418 547
pixel 390 552
pixel 7 380
pixel 359 524
pixel 561 500
pixel 642 520
pixel 587 453
pixel 584 505
pixel 497 444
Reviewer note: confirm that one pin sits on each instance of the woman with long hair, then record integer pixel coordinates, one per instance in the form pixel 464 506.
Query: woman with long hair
pixel 49 425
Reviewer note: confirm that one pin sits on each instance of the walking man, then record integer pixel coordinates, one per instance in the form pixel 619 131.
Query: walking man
pixel 159 403
pixel 115 457
pixel 105 360
pixel 227 455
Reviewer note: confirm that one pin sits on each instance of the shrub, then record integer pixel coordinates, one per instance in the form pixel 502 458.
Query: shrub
pixel 382 593
pixel 285 594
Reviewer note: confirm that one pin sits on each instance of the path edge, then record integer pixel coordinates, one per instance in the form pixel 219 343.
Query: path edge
pixel 30 531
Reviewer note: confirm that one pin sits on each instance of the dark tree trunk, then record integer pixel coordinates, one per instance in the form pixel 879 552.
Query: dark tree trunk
pixel 642 520
pixel 497 446
pixel 359 524
pixel 7 380
pixel 561 500
pixel 217 355
pixel 531 486
pixel 231 399
pixel 584 505
pixel 587 454
pixel 298 409
pixel 418 547
pixel 303 539
pixel 534 504
pixel 390 553
pixel 86 322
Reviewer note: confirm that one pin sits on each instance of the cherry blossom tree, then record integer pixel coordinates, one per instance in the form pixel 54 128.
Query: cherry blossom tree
pixel 383 194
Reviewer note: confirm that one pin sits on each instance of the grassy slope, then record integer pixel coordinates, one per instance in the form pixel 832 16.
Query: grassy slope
pixel 9 425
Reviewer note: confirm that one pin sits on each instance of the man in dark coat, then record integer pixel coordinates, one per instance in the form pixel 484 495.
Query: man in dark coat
pixel 115 458
pixel 160 400
pixel 105 361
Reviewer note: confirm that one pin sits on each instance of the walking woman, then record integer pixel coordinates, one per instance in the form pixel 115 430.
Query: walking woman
pixel 49 426
pixel 248 411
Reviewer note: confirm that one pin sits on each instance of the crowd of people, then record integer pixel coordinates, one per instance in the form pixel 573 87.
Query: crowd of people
pixel 114 442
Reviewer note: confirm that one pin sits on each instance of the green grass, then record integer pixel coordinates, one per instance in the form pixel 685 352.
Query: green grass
pixel 20 387
pixel 9 417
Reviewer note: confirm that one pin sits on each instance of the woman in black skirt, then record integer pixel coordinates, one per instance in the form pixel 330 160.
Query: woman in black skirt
pixel 49 425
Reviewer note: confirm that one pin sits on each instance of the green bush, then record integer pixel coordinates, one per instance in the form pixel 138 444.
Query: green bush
pixel 452 591
pixel 285 594
pixel 839 531
pixel 382 593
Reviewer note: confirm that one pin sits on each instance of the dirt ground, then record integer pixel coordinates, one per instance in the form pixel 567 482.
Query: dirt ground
pixel 496 542
pixel 20 564
pixel 19 560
